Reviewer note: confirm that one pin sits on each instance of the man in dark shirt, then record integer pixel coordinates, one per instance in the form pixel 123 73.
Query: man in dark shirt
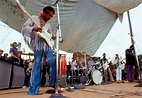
pixel 14 53
pixel 104 62
pixel 130 62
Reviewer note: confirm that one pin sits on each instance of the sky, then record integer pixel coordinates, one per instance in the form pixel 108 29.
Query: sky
pixel 117 41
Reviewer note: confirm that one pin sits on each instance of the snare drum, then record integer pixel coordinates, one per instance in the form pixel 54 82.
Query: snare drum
pixel 97 77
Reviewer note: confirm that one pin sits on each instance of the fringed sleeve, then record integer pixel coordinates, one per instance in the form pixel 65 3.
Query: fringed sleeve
pixel 27 32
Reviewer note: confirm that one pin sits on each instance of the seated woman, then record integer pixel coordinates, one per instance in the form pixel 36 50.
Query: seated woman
pixel 74 71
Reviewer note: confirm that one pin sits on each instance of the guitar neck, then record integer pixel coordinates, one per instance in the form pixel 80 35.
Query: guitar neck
pixel 32 19
pixel 23 9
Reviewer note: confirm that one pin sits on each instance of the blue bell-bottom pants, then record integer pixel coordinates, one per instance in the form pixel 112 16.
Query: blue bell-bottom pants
pixel 35 79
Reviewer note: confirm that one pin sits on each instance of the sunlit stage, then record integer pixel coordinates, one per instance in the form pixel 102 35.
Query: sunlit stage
pixel 113 90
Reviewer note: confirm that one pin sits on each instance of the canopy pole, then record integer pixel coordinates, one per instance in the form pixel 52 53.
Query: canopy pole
pixel 133 43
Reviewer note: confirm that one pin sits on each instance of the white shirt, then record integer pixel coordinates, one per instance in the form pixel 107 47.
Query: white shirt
pixel 31 38
pixel 73 65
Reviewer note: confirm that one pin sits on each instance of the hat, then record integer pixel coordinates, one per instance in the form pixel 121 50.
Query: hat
pixel 6 54
pixel 1 50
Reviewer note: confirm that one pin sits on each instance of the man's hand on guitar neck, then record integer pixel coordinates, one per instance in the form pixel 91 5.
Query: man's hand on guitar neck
pixel 37 29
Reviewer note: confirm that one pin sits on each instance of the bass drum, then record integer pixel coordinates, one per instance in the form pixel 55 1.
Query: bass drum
pixel 97 77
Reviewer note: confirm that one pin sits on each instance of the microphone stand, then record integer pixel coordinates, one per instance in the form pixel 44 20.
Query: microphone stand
pixel 58 35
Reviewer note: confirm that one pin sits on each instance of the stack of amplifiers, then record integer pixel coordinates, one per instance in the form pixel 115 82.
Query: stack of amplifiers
pixel 18 76
pixel 5 73
pixel 11 75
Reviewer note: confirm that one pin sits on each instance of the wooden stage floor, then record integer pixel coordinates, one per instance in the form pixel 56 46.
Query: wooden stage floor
pixel 113 90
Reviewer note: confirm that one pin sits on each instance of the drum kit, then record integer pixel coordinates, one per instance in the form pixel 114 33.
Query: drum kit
pixel 94 73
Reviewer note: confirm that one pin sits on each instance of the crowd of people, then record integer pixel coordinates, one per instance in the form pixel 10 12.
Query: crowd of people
pixel 4 56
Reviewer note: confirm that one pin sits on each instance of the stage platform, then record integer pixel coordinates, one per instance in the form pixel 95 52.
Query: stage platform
pixel 113 90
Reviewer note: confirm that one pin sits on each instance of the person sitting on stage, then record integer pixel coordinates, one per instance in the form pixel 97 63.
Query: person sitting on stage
pixel 90 64
pixel 74 71
pixel 38 45
pixel 73 65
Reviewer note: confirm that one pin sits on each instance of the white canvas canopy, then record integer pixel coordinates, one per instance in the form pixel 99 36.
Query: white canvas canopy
pixel 119 6
pixel 84 23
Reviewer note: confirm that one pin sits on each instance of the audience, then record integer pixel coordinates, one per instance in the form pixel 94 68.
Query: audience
pixel 1 52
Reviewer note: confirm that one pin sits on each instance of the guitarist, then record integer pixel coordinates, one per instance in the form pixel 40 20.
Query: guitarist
pixel 39 46
pixel 106 69
pixel 118 69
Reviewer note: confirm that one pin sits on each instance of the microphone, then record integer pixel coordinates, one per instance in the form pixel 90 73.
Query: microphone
pixel 60 39
pixel 55 2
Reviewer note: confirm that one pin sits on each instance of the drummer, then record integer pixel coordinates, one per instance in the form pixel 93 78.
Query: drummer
pixel 90 63
pixel 98 64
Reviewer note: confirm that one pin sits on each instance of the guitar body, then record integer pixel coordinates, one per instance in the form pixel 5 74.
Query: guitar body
pixel 47 37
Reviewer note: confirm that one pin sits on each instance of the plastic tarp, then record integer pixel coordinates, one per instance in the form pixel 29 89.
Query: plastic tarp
pixel 119 6
pixel 84 23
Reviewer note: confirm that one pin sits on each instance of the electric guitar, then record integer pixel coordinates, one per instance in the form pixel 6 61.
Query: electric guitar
pixel 44 34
